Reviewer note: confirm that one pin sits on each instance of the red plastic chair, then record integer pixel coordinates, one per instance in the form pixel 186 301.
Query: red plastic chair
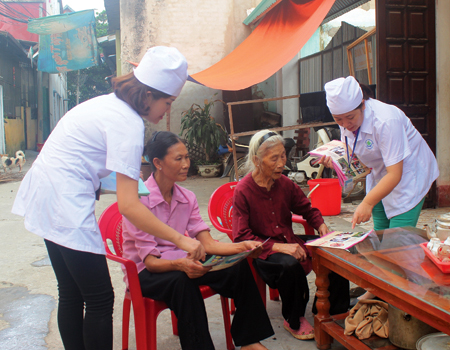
pixel 220 213
pixel 145 310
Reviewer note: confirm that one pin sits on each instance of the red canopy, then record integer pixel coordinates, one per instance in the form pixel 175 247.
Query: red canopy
pixel 274 42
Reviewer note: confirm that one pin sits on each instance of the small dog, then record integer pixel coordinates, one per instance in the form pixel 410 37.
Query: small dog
pixel 6 162
pixel 12 162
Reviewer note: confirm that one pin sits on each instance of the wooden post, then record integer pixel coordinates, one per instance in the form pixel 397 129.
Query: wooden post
pixel 233 142
pixel 234 136
pixel 323 339
pixel 350 63
pixel 350 57
pixel 369 71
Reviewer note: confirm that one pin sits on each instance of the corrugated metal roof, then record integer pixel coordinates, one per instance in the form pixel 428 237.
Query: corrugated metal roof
pixel 342 6
pixel 9 42
pixel 339 8
pixel 112 8
pixel 260 10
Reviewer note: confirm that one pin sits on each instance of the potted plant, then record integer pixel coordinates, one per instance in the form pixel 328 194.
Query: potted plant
pixel 201 129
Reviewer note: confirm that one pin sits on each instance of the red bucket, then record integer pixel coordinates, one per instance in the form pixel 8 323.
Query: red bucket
pixel 326 197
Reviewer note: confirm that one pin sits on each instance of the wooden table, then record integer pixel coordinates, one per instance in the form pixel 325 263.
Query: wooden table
pixel 391 265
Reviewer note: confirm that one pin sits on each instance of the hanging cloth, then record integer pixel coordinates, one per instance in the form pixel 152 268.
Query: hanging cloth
pixel 66 42
pixel 273 43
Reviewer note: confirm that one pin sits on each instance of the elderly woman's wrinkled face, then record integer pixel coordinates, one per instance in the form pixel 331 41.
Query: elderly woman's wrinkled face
pixel 273 161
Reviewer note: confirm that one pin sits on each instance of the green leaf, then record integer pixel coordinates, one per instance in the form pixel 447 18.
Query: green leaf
pixel 201 128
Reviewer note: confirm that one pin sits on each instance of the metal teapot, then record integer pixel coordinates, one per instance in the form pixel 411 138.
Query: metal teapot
pixel 440 228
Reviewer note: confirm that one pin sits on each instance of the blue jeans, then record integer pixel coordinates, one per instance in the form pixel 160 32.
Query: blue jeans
pixel 86 298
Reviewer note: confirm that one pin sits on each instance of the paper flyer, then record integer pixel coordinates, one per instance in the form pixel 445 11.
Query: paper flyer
pixel 338 239
pixel 220 262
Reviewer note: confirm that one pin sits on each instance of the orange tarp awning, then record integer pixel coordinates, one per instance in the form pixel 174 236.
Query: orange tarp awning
pixel 274 42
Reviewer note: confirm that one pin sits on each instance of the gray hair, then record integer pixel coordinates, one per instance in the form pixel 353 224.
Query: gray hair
pixel 258 147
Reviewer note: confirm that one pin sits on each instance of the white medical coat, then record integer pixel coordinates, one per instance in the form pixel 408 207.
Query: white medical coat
pixel 385 138
pixel 57 195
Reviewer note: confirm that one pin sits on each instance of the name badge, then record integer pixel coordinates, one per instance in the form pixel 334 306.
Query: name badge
pixel 348 186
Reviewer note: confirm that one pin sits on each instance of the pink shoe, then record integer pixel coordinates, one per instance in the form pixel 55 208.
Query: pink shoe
pixel 305 332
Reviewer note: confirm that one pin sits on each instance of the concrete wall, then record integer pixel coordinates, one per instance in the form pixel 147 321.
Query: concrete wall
pixel 57 94
pixel 204 31
pixel 443 101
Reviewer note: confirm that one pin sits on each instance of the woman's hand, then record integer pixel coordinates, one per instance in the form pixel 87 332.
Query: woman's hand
pixel 192 268
pixel 323 230
pixel 385 186
pixel 362 214
pixel 249 245
pixel 326 161
pixel 293 249
pixel 193 247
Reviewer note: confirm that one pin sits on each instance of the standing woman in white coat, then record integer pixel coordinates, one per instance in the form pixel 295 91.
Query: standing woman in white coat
pixel 57 195
pixel 384 139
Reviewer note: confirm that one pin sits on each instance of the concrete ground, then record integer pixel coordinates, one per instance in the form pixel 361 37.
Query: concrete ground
pixel 28 292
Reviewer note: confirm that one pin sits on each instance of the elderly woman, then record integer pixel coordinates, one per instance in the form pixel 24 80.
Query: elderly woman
pixel 167 274
pixel 263 204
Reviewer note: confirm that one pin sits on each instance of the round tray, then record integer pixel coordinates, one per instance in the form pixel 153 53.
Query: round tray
pixel 433 341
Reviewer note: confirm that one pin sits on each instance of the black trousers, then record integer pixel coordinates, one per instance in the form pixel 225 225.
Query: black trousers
pixel 283 272
pixel 181 293
pixel 86 298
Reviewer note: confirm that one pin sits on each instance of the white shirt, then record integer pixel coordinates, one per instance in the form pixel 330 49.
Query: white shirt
pixel 385 138
pixel 57 195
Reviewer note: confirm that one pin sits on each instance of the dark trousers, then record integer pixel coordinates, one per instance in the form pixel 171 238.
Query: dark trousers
pixel 86 298
pixel 181 293
pixel 283 272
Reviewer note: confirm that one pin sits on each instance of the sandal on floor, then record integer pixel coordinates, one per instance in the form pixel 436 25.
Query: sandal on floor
pixel 305 332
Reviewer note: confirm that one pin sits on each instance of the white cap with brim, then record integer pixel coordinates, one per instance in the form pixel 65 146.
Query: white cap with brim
pixel 164 69
pixel 343 95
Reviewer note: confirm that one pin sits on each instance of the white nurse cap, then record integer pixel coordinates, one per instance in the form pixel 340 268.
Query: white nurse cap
pixel 164 69
pixel 343 95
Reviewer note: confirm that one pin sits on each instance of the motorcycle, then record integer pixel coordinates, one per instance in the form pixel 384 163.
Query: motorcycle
pixel 307 167
pixel 297 169
pixel 242 145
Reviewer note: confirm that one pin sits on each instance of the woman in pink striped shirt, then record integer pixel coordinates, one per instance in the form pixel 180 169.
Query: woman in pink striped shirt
pixel 167 274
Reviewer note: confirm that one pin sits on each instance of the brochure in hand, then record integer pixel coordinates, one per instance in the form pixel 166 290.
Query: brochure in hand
pixel 220 262
pixel 338 239
pixel 340 156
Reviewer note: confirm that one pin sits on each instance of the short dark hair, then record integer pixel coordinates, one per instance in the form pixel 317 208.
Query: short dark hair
pixel 158 145
pixel 133 92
